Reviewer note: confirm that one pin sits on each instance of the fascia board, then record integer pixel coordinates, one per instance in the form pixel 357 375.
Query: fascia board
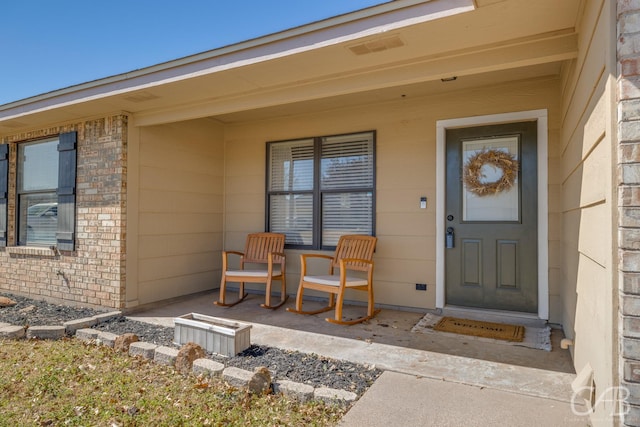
pixel 341 29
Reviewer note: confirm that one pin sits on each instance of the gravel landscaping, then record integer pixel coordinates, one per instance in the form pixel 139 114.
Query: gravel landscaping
pixel 294 366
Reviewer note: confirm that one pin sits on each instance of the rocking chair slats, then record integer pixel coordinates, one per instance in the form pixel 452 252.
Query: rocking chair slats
pixel 263 249
pixel 353 253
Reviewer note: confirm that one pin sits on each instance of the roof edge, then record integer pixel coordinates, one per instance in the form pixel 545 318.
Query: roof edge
pixel 113 84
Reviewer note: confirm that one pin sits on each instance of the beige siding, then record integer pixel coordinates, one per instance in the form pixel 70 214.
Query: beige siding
pixel 588 199
pixel 180 170
pixel 406 165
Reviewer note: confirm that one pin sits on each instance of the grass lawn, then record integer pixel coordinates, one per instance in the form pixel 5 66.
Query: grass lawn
pixel 72 383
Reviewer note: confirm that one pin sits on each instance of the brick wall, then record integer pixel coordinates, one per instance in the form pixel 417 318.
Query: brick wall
pixel 628 51
pixel 93 274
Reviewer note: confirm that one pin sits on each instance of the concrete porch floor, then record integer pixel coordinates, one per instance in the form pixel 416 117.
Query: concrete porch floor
pixel 387 342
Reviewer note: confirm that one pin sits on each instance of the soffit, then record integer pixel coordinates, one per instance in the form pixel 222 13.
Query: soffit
pixel 408 91
pixel 497 41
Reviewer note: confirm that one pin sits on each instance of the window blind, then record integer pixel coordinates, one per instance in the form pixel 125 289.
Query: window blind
pixel 291 166
pixel 321 188
pixel 347 161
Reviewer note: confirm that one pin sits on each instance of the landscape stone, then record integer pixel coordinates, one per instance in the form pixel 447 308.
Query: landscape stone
pixel 207 367
pixel 73 325
pixel 7 302
pixel 27 309
pixel 87 334
pixel 260 382
pixel 123 342
pixel 332 395
pixel 11 331
pixel 237 377
pixel 186 355
pixel 298 391
pixel 144 349
pixel 46 332
pixel 105 317
pixel 107 339
pixel 165 355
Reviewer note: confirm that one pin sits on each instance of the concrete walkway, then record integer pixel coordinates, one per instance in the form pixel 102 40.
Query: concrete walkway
pixel 422 388
pixel 419 387
pixel 406 400
pixel 443 367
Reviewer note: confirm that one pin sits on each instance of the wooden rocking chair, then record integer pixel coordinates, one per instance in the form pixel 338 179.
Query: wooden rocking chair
pixel 353 253
pixel 260 249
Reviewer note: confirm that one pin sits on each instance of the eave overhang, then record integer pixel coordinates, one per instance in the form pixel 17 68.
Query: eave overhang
pixel 403 47
pixel 59 105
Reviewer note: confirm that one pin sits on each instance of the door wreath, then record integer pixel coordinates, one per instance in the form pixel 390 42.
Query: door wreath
pixel 472 172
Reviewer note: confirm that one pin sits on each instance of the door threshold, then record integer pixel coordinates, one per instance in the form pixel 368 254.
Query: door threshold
pixel 497 316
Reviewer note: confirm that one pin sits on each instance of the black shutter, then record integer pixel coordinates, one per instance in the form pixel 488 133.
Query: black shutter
pixel 66 191
pixel 4 188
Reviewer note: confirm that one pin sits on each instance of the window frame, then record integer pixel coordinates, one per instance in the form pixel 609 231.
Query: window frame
pixel 22 195
pixel 4 193
pixel 317 192
pixel 65 191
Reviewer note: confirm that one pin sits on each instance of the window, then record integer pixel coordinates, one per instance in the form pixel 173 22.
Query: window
pixel 321 188
pixel 37 198
pixel 45 192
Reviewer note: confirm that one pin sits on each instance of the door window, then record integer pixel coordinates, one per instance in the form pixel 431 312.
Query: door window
pixel 490 176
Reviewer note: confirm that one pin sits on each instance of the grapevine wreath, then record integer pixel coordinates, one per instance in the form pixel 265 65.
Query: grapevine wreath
pixel 472 172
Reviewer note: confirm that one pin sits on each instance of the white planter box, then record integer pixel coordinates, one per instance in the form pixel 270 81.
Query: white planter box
pixel 214 334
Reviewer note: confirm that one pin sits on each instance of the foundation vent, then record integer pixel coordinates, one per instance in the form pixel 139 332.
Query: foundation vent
pixel 377 45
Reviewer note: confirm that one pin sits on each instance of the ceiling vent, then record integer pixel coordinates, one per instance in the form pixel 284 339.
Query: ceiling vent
pixel 377 45
pixel 141 97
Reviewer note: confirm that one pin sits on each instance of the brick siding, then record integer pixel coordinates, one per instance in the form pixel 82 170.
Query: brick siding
pixel 628 51
pixel 93 274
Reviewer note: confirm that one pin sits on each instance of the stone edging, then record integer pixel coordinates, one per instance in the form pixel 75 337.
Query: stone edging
pixel 164 355
pixel 54 332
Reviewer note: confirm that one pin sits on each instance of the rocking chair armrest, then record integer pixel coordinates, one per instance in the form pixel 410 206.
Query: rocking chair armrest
pixel 345 264
pixel 303 257
pixel 303 261
pixel 225 253
pixel 225 258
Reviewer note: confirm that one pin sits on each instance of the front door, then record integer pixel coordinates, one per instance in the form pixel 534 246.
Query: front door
pixel 491 217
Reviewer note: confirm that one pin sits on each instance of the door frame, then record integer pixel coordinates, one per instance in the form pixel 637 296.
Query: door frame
pixel 540 116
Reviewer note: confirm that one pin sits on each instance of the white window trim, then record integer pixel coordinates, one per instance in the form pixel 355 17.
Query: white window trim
pixel 543 208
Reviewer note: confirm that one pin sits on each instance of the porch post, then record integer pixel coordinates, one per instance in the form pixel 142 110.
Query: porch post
pixel 628 183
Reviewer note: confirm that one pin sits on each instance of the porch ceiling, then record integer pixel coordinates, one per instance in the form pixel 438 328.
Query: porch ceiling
pixel 336 65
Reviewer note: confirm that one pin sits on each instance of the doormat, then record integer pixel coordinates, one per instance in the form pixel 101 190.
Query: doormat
pixel 537 338
pixel 476 328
